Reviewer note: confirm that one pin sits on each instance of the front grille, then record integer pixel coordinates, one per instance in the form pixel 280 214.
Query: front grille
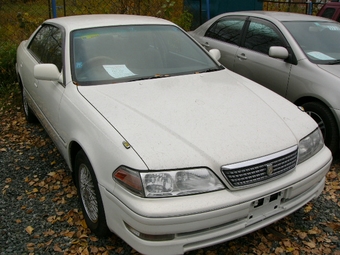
pixel 257 171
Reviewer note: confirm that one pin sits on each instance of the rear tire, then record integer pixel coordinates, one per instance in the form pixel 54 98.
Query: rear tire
pixel 327 124
pixel 89 195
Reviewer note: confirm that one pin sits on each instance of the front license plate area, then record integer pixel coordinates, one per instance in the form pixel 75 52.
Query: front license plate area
pixel 265 207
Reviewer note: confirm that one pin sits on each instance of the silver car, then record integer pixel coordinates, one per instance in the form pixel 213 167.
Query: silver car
pixel 168 149
pixel 295 55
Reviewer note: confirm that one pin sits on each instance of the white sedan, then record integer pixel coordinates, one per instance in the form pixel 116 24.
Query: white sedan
pixel 168 149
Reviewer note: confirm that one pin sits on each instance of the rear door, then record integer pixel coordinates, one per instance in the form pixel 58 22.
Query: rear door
pixel 252 59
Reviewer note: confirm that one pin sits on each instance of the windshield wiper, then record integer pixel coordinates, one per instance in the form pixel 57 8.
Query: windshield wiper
pixel 211 69
pixel 334 62
pixel 156 76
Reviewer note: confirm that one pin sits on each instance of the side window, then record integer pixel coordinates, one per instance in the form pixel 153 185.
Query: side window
pixel 328 13
pixel 46 46
pixel 261 36
pixel 226 30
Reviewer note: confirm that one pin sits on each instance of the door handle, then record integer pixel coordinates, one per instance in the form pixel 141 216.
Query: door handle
pixel 242 56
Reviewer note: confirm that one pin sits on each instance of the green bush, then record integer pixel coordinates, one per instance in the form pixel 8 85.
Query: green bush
pixel 184 20
pixel 7 64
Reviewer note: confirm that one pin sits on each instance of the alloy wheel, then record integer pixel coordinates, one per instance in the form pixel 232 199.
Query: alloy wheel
pixel 88 193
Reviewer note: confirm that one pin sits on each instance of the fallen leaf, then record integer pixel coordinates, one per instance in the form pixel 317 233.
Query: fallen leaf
pixel 57 248
pixel 332 175
pixel 52 219
pixel 83 223
pixel 85 251
pixel 49 232
pixel 94 249
pixel 5 189
pixel 290 249
pixel 287 243
pixel 333 225
pixel 314 231
pixel 302 235
pixel 29 230
pixel 94 238
pixel 307 209
pixel 310 244
pixel 49 242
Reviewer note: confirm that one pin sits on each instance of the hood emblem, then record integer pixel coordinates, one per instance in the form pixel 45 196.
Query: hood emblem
pixel 270 169
pixel 126 145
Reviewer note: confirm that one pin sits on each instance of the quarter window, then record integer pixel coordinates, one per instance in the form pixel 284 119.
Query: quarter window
pixel 260 37
pixel 226 30
pixel 46 46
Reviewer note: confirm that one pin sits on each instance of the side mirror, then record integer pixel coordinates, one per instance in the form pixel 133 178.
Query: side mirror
pixel 278 52
pixel 215 53
pixel 47 72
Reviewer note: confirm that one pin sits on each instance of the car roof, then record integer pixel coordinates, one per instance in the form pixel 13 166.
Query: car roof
pixel 332 4
pixel 280 16
pixel 100 20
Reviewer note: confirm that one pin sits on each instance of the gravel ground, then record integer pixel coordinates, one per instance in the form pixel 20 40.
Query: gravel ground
pixel 39 210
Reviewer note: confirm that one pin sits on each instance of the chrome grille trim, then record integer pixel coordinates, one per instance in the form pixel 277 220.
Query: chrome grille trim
pixel 257 171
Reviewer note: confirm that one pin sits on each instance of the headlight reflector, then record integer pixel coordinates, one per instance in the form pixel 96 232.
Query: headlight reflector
pixel 168 183
pixel 310 145
pixel 180 182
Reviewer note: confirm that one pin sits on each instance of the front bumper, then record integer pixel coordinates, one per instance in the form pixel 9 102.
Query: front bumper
pixel 207 219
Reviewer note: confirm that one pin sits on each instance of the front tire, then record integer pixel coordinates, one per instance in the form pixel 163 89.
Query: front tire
pixel 327 124
pixel 89 195
pixel 29 115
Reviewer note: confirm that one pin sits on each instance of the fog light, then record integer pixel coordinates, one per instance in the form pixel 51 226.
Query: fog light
pixel 149 237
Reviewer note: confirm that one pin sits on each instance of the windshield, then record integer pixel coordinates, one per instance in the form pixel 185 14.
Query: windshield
pixel 319 40
pixel 129 53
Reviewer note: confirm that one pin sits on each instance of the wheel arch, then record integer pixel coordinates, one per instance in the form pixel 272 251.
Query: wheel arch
pixel 307 99
pixel 19 80
pixel 74 148
pixel 333 146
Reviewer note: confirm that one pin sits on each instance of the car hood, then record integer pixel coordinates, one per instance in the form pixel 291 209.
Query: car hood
pixel 207 119
pixel 333 69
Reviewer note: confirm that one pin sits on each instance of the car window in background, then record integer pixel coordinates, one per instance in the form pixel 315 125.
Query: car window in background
pixel 46 46
pixel 318 40
pixel 261 36
pixel 328 13
pixel 226 30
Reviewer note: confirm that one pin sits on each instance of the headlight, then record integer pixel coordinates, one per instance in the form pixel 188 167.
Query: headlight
pixel 310 145
pixel 168 183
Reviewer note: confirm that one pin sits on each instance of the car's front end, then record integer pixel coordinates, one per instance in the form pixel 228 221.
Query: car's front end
pixel 202 188
pixel 174 225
